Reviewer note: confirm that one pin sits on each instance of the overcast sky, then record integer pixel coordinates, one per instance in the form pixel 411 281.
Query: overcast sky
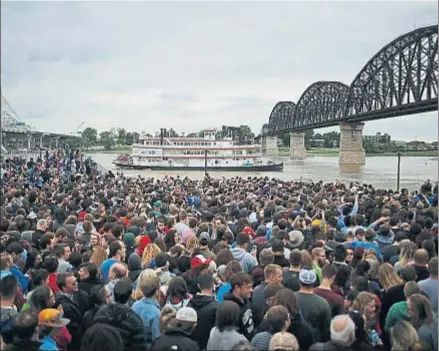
pixel 187 65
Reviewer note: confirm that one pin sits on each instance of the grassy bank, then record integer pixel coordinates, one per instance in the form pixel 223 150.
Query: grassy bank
pixel 335 152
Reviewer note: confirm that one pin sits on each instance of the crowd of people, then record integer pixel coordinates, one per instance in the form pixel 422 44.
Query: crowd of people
pixel 98 261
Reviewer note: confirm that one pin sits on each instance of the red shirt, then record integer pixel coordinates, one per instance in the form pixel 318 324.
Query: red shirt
pixel 52 283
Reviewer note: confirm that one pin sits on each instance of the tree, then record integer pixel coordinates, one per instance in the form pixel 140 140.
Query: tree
pixel 308 136
pixel 121 134
pixel 285 139
pixel 89 136
pixel 136 137
pixel 129 138
pixel 107 139
pixel 246 133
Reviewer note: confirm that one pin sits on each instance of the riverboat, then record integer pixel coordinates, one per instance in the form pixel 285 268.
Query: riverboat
pixel 202 153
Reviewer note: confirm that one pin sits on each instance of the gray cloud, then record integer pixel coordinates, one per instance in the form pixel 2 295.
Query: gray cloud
pixel 187 65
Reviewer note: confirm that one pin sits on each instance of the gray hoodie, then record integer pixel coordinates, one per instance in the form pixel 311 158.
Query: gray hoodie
pixel 224 340
pixel 245 259
pixel 6 316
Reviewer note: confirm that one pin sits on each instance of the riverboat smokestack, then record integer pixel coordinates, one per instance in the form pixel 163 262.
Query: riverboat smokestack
pixel 162 134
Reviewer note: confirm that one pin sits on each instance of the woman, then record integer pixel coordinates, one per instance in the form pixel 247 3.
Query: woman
pixel 149 254
pixel 177 295
pixel 224 335
pixel 403 337
pixel 98 257
pixel 406 255
pixel 362 342
pixel 146 275
pixel 423 319
pixel 392 292
pixel 365 304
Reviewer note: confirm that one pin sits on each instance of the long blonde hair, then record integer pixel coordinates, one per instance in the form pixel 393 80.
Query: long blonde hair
pixel 403 337
pixel 388 277
pixel 98 256
pixel 150 252
pixel 408 249
pixel 361 302
pixel 145 275
pixel 192 244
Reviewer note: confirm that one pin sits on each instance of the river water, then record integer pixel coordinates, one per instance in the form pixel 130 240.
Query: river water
pixel 381 171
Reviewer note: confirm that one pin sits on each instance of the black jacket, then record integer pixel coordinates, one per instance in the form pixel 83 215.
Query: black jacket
pixel 128 323
pixel 21 345
pixel 88 283
pixel 174 340
pixel 258 303
pixel 206 307
pixel 36 237
pixel 246 326
pixel 72 312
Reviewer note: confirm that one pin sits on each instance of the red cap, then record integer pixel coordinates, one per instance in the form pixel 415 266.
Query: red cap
pixel 199 260
pixel 248 231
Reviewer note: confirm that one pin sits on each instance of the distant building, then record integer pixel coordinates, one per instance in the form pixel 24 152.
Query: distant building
pixel 378 138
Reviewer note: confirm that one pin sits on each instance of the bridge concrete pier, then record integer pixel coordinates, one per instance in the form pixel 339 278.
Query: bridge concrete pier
pixel 351 144
pixel 297 146
pixel 269 145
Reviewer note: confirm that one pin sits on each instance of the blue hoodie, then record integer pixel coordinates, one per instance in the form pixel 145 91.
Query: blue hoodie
pixel 22 279
pixel 245 259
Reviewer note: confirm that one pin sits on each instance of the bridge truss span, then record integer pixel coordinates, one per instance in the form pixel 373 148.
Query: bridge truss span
pixel 281 117
pixel 322 103
pixel 401 79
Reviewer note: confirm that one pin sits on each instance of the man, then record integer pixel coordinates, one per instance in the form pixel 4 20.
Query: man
pixel 246 260
pixel 25 329
pixel 336 302
pixel 315 310
pixel 67 298
pixel 392 250
pixel 266 257
pixel 39 232
pixel 16 251
pixel 431 284
pixel 420 259
pixel 121 317
pixel 62 253
pixel 205 305
pixel 342 335
pixel 368 244
pixel 116 254
pixel 318 261
pixel 88 273
pixel 8 291
pixel 88 230
pixel 241 290
pixel 204 246
pixel 291 275
pixel 277 246
pixel 117 272
pixel 272 274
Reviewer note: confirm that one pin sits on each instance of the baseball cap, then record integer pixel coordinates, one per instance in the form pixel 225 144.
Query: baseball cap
pixel 199 260
pixel 204 238
pixel 51 317
pixel 307 276
pixel 187 314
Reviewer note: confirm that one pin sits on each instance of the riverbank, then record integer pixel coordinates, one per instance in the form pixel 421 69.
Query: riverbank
pixel 335 152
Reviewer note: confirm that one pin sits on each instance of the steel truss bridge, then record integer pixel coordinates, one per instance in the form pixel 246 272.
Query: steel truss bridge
pixel 401 79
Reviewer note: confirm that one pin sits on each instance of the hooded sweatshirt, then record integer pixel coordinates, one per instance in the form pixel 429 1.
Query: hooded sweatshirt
pixel 6 316
pixel 224 340
pixel 134 266
pixel 245 259
pixel 246 326
pixel 205 306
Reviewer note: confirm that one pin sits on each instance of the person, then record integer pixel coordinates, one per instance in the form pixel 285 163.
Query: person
pixel 117 272
pixel 241 284
pixel 8 291
pixel 246 260
pixel 325 291
pixel 99 296
pixel 116 254
pixel 279 321
pixel 88 277
pixel 225 335
pixel 342 335
pixel 102 337
pixel 423 319
pixel 148 308
pixel 121 317
pixel 283 341
pixel 62 253
pixel 315 309
pixel 205 305
pixel 431 285
pixel 68 299
pixel 272 274
pixel 291 275
pixel 177 337
pixel 403 337
pixel 50 322
pixel 25 330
